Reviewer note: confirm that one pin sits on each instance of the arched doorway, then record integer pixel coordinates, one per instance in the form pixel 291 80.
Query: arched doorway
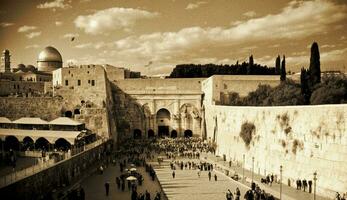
pixel 68 114
pixel 28 143
pixel 174 134
pixel 62 144
pixel 77 111
pixel 137 134
pixel 163 122
pixel 11 142
pixel 42 144
pixel 188 133
pixel 150 133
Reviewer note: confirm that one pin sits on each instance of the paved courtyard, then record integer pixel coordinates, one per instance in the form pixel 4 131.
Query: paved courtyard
pixel 95 190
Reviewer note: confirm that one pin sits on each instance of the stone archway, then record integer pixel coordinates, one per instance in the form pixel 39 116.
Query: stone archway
pixel 11 142
pixel 173 134
pixel 137 134
pixel 68 114
pixel 163 122
pixel 42 144
pixel 188 133
pixel 28 143
pixel 150 133
pixel 62 144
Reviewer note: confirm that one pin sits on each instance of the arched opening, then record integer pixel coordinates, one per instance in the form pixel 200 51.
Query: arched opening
pixel 76 112
pixel 174 134
pixel 188 133
pixel 68 114
pixel 62 144
pixel 137 134
pixel 42 144
pixel 163 122
pixel 11 142
pixel 28 144
pixel 150 133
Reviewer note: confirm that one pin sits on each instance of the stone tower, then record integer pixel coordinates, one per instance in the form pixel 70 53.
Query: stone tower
pixel 5 65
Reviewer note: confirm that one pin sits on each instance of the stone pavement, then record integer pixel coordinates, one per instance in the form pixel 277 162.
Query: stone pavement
pixel 287 192
pixel 188 186
pixel 95 189
pixel 22 163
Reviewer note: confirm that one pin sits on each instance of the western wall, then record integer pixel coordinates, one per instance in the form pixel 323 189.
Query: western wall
pixel 303 139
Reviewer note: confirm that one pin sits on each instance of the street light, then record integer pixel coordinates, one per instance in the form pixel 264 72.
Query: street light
pixel 314 184
pixel 281 182
pixel 252 168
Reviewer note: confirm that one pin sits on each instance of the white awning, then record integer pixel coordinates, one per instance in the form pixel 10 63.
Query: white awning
pixel 64 121
pixel 49 135
pixel 30 120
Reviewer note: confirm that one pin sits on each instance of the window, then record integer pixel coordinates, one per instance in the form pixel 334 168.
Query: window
pixel 78 82
pixel 66 82
pixel 93 82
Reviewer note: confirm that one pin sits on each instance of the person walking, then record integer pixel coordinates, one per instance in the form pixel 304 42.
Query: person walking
pixel 107 188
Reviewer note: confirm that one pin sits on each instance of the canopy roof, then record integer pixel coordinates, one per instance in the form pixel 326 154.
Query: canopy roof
pixel 49 135
pixel 4 120
pixel 64 121
pixel 30 120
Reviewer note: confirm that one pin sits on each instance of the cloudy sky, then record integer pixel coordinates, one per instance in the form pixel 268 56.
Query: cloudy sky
pixel 152 36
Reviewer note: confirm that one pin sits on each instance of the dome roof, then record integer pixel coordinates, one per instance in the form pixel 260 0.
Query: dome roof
pixel 50 54
pixel 20 66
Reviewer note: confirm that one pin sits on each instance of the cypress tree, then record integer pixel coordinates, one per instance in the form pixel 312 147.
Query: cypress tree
pixel 250 65
pixel 283 69
pixel 278 65
pixel 314 69
pixel 305 90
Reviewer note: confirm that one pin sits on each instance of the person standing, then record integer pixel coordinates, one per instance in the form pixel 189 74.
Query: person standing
pixel 209 175
pixel 199 173
pixel 304 184
pixel 215 177
pixel 237 194
pixel 310 186
pixel 229 195
pixel 173 174
pixel 107 188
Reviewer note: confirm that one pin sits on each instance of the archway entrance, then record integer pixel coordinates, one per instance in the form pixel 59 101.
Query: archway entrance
pixel 163 122
pixel 174 134
pixel 68 114
pixel 150 133
pixel 188 133
pixel 28 144
pixel 11 142
pixel 62 144
pixel 137 134
pixel 42 144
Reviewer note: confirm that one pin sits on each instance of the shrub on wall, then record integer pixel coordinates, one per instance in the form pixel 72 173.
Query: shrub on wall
pixel 297 144
pixel 247 131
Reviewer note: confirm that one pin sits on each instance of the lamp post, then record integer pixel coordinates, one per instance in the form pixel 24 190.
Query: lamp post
pixel 252 168
pixel 281 169
pixel 243 168
pixel 314 185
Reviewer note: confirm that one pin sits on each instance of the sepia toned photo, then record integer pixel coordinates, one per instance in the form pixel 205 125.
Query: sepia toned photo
pixel 173 99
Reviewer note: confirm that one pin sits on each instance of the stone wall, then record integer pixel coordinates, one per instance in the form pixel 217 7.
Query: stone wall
pixel 303 139
pixel 47 108
pixel 24 88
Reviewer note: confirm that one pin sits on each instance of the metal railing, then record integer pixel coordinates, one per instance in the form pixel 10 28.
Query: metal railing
pixel 29 171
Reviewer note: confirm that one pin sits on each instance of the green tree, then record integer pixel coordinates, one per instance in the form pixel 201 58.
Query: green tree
pixel 283 69
pixel 315 76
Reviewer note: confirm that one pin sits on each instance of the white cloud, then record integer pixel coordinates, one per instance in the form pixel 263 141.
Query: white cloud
pixel 196 5
pixel 58 23
pixel 6 24
pixel 33 46
pixel 26 28
pixel 70 35
pixel 33 34
pixel 111 19
pixel 85 45
pixel 250 14
pixel 297 20
pixel 54 5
